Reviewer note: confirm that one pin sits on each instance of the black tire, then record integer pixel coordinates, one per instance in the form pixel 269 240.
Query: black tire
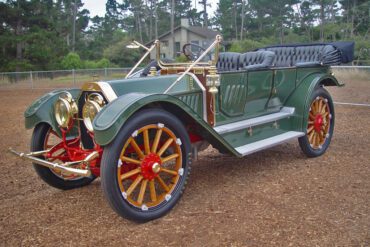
pixel 304 142
pixel 37 144
pixel 111 156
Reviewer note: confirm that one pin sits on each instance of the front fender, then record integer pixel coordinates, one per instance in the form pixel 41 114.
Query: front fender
pixel 41 110
pixel 301 97
pixel 110 120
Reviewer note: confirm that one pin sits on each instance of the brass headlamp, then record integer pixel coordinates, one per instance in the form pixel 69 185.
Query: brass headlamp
pixel 64 109
pixel 94 103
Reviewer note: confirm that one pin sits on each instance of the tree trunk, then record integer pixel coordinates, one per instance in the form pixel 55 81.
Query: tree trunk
pixel 173 27
pixel 155 20
pixel 353 18
pixel 19 55
pixel 235 20
pixel 242 21
pixel 282 32
pixel 74 26
pixel 322 17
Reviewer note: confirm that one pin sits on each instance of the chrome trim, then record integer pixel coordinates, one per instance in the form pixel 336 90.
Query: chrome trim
pixel 244 124
pixel 204 94
pixel 107 90
pixel 216 42
pixel 268 142
pixel 59 167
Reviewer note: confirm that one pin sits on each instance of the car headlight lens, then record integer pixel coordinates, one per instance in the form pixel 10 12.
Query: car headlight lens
pixel 64 109
pixel 93 105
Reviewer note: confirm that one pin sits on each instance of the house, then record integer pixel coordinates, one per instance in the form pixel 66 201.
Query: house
pixel 183 34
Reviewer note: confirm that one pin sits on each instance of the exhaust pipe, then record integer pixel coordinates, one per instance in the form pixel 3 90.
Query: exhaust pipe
pixel 59 167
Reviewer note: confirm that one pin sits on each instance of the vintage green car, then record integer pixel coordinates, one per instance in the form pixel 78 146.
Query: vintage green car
pixel 140 134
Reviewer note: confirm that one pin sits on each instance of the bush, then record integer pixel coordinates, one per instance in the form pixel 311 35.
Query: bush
pixel 245 45
pixel 72 61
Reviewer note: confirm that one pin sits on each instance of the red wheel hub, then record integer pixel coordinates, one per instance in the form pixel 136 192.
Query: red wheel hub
pixel 148 164
pixel 318 122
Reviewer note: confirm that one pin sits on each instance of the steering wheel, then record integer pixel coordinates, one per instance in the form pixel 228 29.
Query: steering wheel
pixel 191 55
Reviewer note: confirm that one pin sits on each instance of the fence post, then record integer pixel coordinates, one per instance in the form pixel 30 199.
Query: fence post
pixel 105 74
pixel 74 77
pixel 31 79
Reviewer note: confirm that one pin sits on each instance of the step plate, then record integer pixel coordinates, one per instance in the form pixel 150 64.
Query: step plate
pixel 244 124
pixel 268 142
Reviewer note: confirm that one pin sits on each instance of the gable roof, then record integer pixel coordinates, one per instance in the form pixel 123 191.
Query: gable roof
pixel 201 31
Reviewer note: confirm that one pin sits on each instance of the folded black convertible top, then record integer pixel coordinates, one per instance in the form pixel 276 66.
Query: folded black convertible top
pixel 333 53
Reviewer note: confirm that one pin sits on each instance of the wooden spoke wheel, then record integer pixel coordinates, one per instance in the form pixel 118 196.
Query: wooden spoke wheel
pixel 148 175
pixel 144 169
pixel 320 124
pixel 43 137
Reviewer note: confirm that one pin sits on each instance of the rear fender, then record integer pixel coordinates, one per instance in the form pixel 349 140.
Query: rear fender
pixel 301 97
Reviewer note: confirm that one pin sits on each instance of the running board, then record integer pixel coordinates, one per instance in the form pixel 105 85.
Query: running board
pixel 269 142
pixel 244 124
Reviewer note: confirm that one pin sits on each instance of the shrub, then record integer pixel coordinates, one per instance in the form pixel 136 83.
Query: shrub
pixel 71 61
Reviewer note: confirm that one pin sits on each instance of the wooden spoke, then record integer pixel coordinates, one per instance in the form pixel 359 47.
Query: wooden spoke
pixel 142 191
pixel 130 173
pixel 316 139
pixel 156 140
pixel 310 129
pixel 325 114
pixel 146 141
pixel 153 194
pixel 174 173
pixel 310 122
pixel 137 148
pixel 170 157
pixel 130 160
pixel 312 117
pixel 162 183
pixel 165 146
pixel 133 185
pixel 320 105
pixel 54 133
pixel 321 135
pixel 310 136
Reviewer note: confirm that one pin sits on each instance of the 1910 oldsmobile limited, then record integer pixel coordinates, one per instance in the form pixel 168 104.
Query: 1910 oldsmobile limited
pixel 140 134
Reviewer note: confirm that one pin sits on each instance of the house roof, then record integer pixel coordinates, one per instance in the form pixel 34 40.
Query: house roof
pixel 201 31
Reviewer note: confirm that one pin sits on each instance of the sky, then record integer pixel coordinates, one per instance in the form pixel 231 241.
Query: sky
pixel 97 7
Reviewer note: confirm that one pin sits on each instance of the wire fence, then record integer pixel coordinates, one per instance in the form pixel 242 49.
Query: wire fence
pixel 58 78
pixel 75 78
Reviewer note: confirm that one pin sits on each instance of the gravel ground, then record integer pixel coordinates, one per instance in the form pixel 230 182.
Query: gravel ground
pixel 274 197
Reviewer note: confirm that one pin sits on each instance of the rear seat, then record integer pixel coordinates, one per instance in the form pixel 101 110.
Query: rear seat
pixel 256 60
pixel 279 56
pixel 233 61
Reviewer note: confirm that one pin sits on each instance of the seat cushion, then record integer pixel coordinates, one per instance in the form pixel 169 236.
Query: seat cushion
pixel 283 56
pixel 228 61
pixel 256 60
pixel 308 54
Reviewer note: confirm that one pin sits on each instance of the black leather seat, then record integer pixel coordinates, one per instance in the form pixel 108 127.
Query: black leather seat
pixel 256 60
pixel 228 61
pixel 305 55
pixel 283 55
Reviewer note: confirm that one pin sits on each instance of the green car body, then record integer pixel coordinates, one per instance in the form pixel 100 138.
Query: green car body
pixel 266 92
pixel 140 134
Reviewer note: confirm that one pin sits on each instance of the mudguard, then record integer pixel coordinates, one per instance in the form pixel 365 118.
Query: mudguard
pixel 110 120
pixel 42 109
pixel 300 98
